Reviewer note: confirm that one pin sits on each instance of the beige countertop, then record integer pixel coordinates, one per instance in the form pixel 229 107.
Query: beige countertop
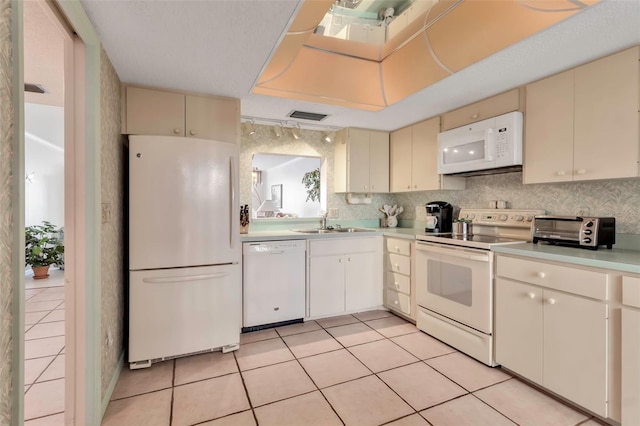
pixel 279 235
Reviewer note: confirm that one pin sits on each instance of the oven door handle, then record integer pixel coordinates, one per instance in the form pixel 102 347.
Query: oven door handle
pixel 462 253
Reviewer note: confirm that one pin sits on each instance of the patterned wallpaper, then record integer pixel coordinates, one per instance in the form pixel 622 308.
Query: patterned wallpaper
pixel 619 198
pixel 112 262
pixel 7 278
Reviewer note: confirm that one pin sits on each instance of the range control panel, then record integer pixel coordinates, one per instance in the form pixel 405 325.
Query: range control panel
pixel 500 217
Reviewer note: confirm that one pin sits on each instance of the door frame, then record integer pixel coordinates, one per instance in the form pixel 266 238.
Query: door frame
pixel 82 222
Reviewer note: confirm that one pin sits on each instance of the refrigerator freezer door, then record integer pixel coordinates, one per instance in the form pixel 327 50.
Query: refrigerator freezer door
pixel 182 202
pixel 181 311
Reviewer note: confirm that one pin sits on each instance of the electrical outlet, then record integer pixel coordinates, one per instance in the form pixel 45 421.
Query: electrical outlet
pixel 583 211
pixel 106 212
pixel 333 214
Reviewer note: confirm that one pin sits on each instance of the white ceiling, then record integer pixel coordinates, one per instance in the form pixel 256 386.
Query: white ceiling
pixel 220 47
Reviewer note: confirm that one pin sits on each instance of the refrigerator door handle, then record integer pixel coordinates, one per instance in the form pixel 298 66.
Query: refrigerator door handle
pixel 232 204
pixel 165 280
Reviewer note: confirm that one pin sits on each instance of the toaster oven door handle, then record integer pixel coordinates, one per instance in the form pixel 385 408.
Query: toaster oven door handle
pixel 561 218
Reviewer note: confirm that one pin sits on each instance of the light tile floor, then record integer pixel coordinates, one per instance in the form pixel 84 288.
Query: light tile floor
pixel 44 350
pixel 371 368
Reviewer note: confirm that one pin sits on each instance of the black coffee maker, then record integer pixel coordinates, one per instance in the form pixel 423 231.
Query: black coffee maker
pixel 442 213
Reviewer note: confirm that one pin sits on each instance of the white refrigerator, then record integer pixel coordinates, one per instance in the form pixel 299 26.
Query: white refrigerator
pixel 185 282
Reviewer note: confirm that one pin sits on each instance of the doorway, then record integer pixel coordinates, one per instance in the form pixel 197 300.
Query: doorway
pixel 44 143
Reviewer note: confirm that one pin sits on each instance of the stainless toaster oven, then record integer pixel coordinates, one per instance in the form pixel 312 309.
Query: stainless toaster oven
pixel 584 232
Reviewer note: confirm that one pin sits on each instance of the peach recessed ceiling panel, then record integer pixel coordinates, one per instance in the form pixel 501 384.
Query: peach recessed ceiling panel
pixel 450 36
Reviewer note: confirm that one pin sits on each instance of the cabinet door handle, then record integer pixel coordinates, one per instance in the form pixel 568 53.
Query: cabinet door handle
pixel 561 173
pixel 551 301
pixel 396 284
pixel 398 249
pixel 531 295
pixel 395 302
pixel 349 259
pixel 176 131
pixel 541 274
pixel 408 186
pixel 192 132
pixel 397 267
pixel 581 171
pixel 372 187
pixel 340 260
pixel 365 187
pixel 476 115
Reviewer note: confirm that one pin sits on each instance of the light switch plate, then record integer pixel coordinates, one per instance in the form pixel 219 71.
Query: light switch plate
pixel 333 213
pixel 106 212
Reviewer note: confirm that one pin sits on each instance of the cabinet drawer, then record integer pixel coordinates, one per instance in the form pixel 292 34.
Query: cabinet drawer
pixel 399 282
pixel 398 301
pixel 397 263
pixel 481 110
pixel 566 278
pixel 631 291
pixel 396 245
pixel 333 246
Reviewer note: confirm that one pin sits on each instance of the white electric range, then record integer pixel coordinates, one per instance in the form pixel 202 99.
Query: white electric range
pixel 454 278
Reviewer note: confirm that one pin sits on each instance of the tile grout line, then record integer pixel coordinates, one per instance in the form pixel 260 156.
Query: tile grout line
pixel 311 378
pixel 244 385
pixel 173 386
pixel 491 406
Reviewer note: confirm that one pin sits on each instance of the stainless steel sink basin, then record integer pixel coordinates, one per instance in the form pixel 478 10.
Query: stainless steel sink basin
pixel 351 230
pixel 313 231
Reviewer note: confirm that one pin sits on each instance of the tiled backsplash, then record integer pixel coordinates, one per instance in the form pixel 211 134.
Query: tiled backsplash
pixel 619 198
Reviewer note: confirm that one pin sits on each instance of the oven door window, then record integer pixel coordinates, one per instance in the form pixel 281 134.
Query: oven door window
pixel 450 281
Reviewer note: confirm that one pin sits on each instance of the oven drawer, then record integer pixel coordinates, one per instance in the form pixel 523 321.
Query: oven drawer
pixel 570 279
pixel 396 245
pixel 398 301
pixel 399 282
pixel 397 263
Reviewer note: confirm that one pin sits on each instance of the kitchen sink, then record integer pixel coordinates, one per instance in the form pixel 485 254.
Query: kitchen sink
pixel 352 230
pixel 329 231
pixel 313 231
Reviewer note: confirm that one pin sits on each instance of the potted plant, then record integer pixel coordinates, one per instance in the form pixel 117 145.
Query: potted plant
pixel 43 248
pixel 311 181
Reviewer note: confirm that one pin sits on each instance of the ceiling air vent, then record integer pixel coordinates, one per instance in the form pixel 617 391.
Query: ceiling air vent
pixel 307 115
pixel 35 88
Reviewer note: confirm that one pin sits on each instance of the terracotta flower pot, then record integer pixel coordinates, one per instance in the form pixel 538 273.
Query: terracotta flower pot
pixel 40 272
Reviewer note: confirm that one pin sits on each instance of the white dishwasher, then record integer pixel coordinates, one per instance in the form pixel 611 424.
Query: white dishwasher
pixel 273 282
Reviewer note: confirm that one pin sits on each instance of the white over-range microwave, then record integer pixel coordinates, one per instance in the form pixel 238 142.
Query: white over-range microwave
pixel 488 144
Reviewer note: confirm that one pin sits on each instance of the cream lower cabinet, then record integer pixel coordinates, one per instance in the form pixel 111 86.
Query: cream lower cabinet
pixel 397 276
pixel 413 156
pixel 583 124
pixel 345 275
pixel 630 350
pixel 550 332
pixel 157 112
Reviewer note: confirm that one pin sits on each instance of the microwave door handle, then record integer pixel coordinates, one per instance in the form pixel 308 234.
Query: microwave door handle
pixel 489 144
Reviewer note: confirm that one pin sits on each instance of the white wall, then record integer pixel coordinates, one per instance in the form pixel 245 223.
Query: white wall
pixel 294 193
pixel 44 157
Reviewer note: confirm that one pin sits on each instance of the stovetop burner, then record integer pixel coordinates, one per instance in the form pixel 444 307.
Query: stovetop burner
pixel 490 227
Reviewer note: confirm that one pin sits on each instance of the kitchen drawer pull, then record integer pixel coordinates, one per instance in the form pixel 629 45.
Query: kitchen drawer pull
pixel 176 131
pixel 561 173
pixel 581 171
pixel 541 275
pixel 531 295
pixel 551 301
pixel 395 302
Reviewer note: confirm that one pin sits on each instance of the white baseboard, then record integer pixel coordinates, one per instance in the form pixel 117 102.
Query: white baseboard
pixel 112 384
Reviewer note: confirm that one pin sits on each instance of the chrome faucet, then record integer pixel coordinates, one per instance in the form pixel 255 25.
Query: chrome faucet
pixel 323 221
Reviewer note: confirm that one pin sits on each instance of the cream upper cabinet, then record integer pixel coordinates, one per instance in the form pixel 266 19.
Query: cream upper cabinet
pixel 583 124
pixel 400 148
pixel 153 112
pixel 157 112
pixel 414 159
pixel 481 110
pixel 548 148
pixel 361 161
pixel 607 127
